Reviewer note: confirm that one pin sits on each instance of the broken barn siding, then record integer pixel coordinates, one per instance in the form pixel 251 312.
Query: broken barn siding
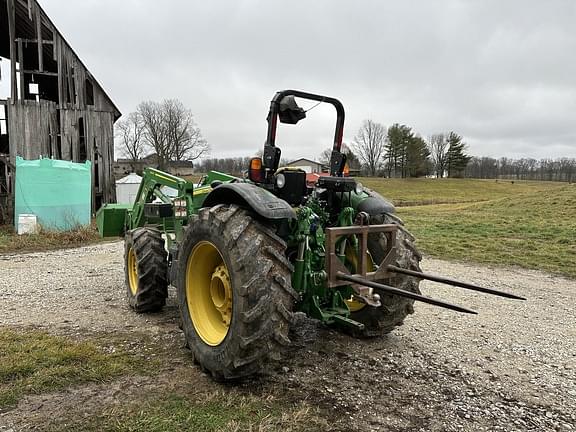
pixel 69 117
pixel 31 126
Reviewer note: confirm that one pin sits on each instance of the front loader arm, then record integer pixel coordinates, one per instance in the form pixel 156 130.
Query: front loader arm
pixel 149 189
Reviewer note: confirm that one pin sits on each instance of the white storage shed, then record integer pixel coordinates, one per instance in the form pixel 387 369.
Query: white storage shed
pixel 127 188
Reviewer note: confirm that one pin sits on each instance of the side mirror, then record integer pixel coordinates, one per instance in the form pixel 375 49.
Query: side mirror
pixel 256 170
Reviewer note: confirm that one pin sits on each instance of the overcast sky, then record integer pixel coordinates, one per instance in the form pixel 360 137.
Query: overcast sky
pixel 500 73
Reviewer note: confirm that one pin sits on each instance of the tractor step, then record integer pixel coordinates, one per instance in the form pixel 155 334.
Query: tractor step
pixel 347 322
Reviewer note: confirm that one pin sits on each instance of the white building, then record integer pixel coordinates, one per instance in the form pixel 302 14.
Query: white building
pixel 127 188
pixel 310 166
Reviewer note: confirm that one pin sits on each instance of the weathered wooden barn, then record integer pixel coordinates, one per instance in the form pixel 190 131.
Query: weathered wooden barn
pixel 55 108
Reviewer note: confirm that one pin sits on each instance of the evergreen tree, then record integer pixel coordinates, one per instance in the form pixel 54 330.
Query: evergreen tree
pixel 407 155
pixel 456 157
pixel 417 157
pixel 397 140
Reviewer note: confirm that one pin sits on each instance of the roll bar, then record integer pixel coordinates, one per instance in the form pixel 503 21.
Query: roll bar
pixel 272 154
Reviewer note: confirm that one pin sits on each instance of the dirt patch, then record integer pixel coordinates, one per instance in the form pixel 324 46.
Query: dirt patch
pixel 513 367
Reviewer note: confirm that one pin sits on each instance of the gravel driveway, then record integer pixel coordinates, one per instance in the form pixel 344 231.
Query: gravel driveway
pixel 511 368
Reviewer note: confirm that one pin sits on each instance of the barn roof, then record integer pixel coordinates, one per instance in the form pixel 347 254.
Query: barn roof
pixel 305 160
pixel 131 178
pixel 26 29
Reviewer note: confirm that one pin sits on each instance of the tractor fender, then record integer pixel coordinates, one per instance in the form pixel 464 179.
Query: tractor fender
pixel 375 204
pixel 248 195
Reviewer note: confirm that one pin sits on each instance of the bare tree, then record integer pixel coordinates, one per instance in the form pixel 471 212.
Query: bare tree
pixel 438 152
pixel 155 130
pixel 567 169
pixel 369 145
pixel 170 130
pixel 325 156
pixel 351 158
pixel 184 137
pixel 129 134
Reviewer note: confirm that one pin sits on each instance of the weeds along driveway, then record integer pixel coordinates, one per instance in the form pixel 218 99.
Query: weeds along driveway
pixel 512 367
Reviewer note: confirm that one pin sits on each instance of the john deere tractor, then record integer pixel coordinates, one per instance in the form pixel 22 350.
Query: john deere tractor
pixel 245 253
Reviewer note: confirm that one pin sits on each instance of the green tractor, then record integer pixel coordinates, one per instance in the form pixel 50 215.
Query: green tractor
pixel 246 253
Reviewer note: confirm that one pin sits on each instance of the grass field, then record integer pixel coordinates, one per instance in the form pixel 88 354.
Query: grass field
pixel 528 224
pixel 418 192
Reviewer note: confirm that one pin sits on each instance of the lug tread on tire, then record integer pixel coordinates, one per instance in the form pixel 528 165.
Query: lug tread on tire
pixel 152 268
pixel 262 296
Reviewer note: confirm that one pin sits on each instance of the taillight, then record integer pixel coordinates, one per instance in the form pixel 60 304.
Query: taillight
pixel 256 171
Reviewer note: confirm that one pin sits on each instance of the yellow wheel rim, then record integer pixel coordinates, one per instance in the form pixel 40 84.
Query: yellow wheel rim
pixel 132 272
pixel 208 293
pixel 352 259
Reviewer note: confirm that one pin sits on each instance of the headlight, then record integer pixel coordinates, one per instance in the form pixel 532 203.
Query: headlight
pixel 280 181
pixel 359 188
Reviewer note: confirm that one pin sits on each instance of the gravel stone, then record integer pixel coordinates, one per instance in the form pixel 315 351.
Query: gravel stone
pixel 510 368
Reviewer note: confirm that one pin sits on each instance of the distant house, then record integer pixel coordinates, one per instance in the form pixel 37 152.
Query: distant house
pixel 310 166
pixel 123 167
pixel 181 168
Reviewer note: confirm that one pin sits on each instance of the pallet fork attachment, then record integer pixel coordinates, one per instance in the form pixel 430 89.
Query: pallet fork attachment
pixel 363 283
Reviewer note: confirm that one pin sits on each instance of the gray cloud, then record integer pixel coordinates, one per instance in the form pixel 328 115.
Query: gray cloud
pixel 502 74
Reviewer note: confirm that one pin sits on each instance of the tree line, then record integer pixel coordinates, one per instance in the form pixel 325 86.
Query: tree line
pixel 231 165
pixel 559 169
pixel 398 151
pixel 168 129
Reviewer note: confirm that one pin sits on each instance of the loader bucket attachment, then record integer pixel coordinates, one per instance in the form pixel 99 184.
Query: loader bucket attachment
pixel 110 219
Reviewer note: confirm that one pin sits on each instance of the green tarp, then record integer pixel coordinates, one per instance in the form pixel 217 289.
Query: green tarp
pixel 57 192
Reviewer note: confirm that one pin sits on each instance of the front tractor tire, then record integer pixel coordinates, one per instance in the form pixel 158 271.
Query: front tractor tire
pixel 234 292
pixel 381 320
pixel 146 269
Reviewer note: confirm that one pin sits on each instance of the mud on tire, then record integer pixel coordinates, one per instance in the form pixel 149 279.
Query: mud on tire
pixel 381 320
pixel 150 289
pixel 262 296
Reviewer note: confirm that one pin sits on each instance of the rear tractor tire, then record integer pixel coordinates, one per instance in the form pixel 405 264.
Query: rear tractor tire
pixel 381 320
pixel 234 292
pixel 146 269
